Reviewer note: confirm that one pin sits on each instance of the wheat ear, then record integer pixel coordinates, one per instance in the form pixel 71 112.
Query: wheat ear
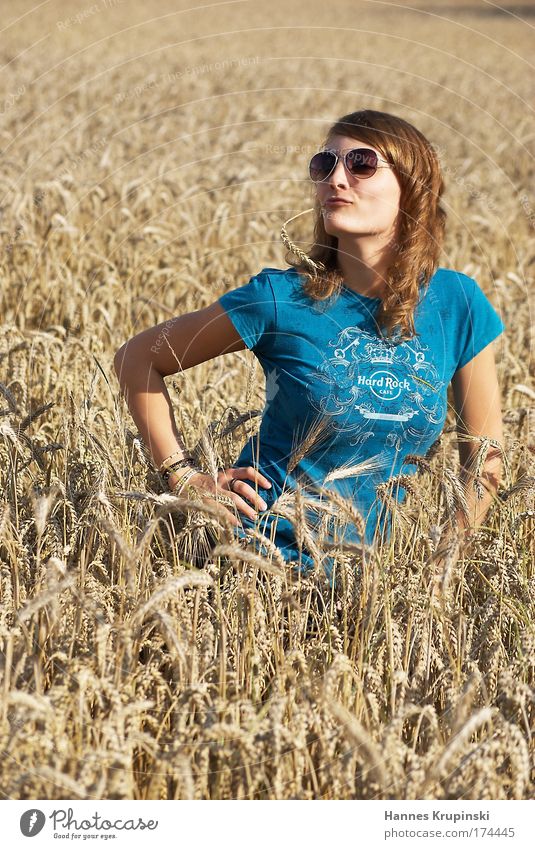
pixel 304 257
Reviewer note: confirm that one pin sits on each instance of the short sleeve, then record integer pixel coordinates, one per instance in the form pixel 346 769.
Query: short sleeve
pixel 480 324
pixel 253 312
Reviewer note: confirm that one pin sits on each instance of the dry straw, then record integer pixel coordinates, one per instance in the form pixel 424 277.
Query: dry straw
pixel 135 681
pixel 314 266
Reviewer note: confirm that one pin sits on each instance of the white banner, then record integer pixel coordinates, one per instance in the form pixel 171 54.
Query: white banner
pixel 248 824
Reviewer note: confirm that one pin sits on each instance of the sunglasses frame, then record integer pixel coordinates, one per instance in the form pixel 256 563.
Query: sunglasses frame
pixel 343 154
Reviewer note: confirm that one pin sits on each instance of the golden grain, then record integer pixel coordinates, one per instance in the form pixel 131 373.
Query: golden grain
pixel 141 660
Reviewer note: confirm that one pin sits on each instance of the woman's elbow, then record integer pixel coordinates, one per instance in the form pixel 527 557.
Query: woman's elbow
pixel 132 360
pixel 127 361
pixel 119 360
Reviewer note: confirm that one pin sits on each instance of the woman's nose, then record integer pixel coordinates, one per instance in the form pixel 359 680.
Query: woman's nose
pixel 339 175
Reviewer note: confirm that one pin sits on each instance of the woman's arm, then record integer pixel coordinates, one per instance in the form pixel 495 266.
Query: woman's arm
pixel 172 346
pixel 478 412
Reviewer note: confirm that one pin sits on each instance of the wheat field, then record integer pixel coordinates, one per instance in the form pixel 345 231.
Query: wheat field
pixel 150 157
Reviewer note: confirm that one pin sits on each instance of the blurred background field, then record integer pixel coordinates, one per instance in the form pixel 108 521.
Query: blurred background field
pixel 150 154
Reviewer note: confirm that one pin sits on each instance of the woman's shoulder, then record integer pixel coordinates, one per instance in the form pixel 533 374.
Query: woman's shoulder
pixel 461 296
pixel 283 280
pixel 289 272
pixel 448 285
pixel 452 286
pixel 445 280
pixel 451 277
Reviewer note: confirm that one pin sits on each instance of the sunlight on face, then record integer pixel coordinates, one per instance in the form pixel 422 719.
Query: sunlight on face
pixel 373 202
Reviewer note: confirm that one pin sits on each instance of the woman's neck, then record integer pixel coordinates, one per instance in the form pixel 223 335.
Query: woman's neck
pixel 364 266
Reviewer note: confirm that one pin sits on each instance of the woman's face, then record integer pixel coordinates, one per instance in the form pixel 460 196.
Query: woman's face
pixel 373 203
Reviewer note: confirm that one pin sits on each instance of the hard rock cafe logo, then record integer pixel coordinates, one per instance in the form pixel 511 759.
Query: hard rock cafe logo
pixel 371 380
pixel 383 384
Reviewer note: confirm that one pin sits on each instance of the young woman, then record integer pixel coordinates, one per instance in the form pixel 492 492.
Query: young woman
pixel 359 340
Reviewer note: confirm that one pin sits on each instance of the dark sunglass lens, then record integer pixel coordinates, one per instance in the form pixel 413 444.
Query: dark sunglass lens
pixel 362 162
pixel 321 165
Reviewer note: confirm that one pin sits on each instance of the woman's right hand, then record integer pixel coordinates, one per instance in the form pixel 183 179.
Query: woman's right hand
pixel 242 490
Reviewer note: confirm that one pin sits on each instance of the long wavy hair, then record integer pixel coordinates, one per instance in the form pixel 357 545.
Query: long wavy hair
pixel 421 228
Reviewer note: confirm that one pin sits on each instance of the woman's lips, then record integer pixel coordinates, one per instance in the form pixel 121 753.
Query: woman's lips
pixel 337 203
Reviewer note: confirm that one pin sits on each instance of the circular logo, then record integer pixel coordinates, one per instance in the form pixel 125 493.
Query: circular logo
pixel 385 385
pixel 32 822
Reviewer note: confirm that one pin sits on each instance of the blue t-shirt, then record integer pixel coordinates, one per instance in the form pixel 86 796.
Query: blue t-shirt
pixel 377 401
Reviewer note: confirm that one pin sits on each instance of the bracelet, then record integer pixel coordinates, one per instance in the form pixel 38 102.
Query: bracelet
pixel 193 492
pixel 181 454
pixel 184 479
pixel 178 464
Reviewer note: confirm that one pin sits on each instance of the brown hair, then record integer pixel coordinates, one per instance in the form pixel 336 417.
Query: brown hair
pixel 421 227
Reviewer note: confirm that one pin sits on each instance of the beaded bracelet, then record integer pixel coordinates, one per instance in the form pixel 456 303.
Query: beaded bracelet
pixel 184 479
pixel 181 455
pixel 178 464
pixel 178 455
pixel 165 462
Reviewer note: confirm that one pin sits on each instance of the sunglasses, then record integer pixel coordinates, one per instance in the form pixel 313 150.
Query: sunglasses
pixel 359 161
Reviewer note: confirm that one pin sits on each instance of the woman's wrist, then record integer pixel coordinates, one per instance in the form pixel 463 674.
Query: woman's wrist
pixel 177 474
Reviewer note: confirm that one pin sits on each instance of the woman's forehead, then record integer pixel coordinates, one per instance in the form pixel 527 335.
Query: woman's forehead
pixel 338 142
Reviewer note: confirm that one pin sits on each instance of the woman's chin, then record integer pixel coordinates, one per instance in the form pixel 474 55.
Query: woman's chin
pixel 336 221
pixel 333 229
